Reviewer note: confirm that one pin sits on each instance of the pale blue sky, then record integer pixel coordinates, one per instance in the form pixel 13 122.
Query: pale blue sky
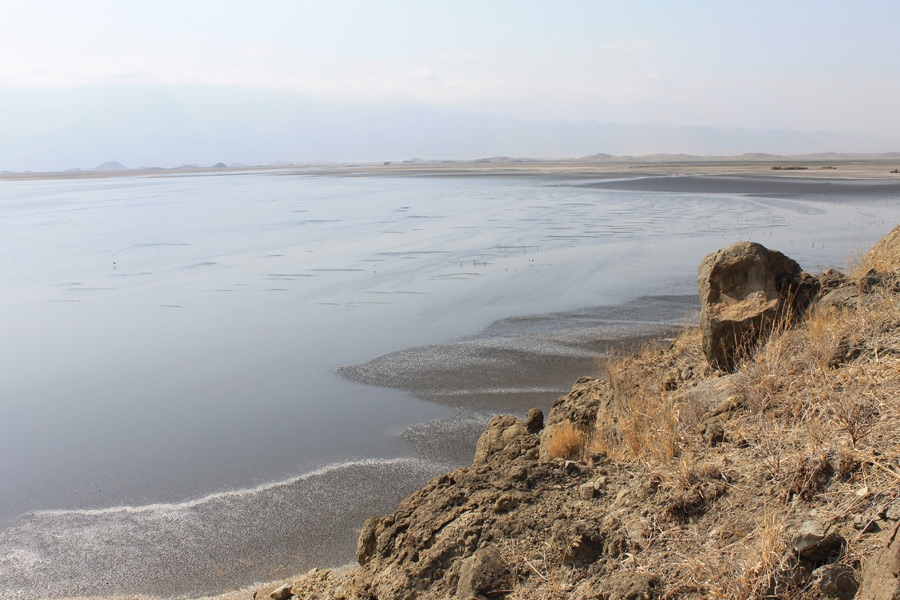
pixel 821 65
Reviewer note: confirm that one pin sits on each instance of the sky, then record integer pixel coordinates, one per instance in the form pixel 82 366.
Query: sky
pixel 807 66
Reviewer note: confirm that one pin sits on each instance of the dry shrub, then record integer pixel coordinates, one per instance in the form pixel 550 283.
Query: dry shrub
pixel 763 551
pixel 566 441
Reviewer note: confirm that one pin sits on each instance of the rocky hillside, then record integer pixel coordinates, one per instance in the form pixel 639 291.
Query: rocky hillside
pixel 757 456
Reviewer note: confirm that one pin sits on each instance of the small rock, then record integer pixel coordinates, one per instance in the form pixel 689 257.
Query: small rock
pixel 638 530
pixel 581 543
pixel 835 580
pixel 534 420
pixel 629 585
pixel 687 373
pixel 600 482
pixel 651 485
pixel 484 574
pixel 586 491
pixel 517 473
pixel 893 512
pixel 506 503
pixel 671 380
pixel 572 466
pixel 282 593
pixel 842 353
pixel 866 524
pixel 809 534
pixel 714 433
pixel 870 280
pixel 811 542
pixel 845 297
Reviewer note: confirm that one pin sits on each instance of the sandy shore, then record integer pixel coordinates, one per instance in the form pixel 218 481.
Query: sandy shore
pixel 814 167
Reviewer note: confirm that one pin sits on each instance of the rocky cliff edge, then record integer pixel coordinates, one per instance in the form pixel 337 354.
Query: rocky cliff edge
pixel 757 456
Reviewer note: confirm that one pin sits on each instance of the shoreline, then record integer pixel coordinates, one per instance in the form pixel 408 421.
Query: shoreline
pixel 326 538
pixel 814 168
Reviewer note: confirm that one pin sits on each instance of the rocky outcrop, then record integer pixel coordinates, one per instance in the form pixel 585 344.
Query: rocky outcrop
pixel 501 437
pixel 881 576
pixel 745 289
pixel 424 549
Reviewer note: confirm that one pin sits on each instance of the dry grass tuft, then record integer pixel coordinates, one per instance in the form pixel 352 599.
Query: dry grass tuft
pixel 567 441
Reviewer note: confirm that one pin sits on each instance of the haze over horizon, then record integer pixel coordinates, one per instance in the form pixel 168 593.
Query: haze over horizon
pixel 165 84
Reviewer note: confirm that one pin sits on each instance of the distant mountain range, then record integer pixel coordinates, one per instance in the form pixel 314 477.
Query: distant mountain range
pixel 59 129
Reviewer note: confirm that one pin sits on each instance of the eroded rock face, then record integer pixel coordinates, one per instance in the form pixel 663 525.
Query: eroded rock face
pixel 744 289
pixel 425 548
pixel 881 572
pixel 886 252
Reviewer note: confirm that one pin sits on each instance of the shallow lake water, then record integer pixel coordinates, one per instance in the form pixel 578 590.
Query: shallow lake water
pixel 214 377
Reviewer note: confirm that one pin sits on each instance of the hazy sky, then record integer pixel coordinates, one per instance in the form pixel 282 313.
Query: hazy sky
pixel 763 64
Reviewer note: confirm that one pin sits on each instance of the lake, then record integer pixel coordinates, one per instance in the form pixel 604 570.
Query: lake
pixel 213 379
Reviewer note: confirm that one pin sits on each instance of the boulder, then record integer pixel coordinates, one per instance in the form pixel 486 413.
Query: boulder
pixel 483 575
pixel 881 571
pixel 745 289
pixel 497 437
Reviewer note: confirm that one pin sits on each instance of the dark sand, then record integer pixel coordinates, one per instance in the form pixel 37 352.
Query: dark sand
pixel 513 365
pixel 200 547
pixel 756 186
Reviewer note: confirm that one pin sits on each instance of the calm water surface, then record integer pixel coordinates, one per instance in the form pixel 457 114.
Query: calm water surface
pixel 171 344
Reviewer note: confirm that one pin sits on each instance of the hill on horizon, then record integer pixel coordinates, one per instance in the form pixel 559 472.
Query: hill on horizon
pixel 165 126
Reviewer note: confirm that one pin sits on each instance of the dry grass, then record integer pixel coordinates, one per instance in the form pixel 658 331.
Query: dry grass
pixel 567 441
pixel 818 430
pixel 650 424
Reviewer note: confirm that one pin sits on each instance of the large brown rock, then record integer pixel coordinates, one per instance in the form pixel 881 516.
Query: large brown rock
pixel 497 439
pixel 744 290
